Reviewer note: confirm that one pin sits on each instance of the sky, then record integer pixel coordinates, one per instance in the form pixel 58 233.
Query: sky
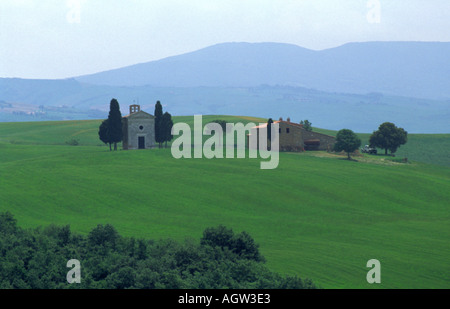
pixel 52 39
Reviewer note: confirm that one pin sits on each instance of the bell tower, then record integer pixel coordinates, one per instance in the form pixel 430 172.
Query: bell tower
pixel 135 108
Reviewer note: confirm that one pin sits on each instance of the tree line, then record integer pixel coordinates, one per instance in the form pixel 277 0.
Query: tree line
pixel 110 130
pixel 37 259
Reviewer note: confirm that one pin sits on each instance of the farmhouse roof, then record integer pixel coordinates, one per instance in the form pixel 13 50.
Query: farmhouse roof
pixel 279 121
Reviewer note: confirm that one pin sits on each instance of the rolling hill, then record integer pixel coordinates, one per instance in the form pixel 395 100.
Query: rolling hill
pixel 316 217
pixel 361 113
pixel 425 148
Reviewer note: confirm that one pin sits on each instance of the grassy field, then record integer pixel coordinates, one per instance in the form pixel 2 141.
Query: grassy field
pixel 315 216
pixel 426 148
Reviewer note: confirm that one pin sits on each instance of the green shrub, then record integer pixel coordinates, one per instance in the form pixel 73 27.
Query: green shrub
pixel 73 142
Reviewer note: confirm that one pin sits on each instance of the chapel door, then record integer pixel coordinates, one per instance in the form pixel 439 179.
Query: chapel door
pixel 141 142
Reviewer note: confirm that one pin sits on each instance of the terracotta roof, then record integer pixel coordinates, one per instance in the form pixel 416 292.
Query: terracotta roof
pixel 260 126
pixel 295 124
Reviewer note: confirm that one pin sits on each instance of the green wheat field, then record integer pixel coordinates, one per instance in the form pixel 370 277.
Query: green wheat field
pixel 317 215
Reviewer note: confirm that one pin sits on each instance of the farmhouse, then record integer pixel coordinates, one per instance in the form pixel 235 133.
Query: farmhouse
pixel 138 129
pixel 293 137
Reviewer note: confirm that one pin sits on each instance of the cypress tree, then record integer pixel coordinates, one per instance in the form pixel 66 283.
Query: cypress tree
pixel 159 133
pixel 269 133
pixel 166 127
pixel 115 133
pixel 103 133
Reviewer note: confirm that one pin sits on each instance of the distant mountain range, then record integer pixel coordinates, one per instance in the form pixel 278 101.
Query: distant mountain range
pixel 413 69
pixel 356 86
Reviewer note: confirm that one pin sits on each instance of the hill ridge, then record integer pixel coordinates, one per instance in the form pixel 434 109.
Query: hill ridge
pixel 415 69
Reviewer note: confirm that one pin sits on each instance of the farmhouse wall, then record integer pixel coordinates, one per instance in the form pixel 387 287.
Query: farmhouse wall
pixel 290 136
pixel 293 137
pixel 326 141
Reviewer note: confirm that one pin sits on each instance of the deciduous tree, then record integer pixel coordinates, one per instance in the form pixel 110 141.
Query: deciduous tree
pixel 306 125
pixel 388 137
pixel 348 141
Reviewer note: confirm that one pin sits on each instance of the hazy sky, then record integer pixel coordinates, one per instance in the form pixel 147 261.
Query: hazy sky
pixel 65 38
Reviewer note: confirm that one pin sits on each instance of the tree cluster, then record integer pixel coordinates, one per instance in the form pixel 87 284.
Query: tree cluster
pixel 37 259
pixel 388 137
pixel 306 125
